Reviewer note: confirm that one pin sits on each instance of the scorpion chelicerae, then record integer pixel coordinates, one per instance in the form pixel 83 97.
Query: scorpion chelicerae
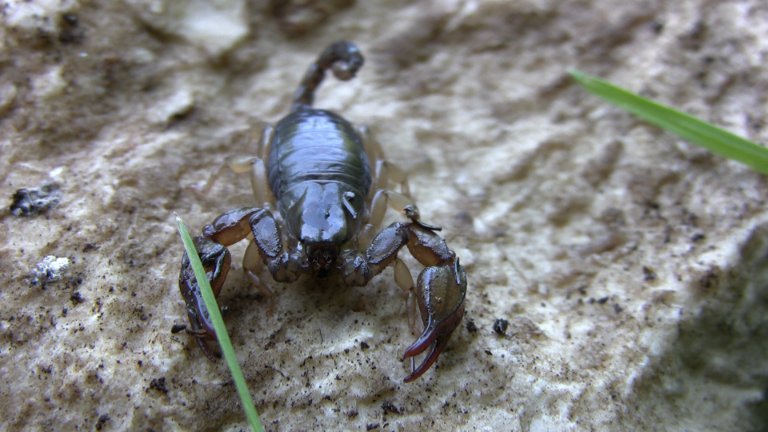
pixel 316 168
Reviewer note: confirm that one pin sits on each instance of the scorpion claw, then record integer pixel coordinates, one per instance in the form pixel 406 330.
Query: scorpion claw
pixel 216 261
pixel 437 348
pixel 441 291
pixel 204 344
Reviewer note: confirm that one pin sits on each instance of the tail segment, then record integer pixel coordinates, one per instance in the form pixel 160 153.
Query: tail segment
pixel 343 57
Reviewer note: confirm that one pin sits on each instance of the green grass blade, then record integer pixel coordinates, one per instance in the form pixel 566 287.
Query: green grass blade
pixel 221 330
pixel 712 138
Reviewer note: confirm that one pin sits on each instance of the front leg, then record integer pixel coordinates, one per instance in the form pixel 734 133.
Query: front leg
pixel 440 290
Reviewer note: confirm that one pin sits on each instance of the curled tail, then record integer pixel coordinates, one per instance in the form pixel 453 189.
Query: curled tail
pixel 343 57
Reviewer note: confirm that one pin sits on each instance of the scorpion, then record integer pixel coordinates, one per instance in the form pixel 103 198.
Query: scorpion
pixel 332 187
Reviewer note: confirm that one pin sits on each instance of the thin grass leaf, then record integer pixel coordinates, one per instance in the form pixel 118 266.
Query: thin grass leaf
pixel 712 138
pixel 221 330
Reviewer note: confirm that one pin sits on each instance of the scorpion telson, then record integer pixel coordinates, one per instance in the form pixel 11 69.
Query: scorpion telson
pixel 331 188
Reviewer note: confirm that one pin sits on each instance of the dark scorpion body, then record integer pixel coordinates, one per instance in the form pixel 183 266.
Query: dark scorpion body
pixel 331 187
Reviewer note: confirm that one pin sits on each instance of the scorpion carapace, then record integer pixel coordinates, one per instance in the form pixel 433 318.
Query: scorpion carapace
pixel 331 187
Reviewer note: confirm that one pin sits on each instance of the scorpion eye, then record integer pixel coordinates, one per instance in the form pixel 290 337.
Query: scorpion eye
pixel 348 198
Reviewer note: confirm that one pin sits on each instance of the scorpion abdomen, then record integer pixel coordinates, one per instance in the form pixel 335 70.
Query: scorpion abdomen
pixel 317 146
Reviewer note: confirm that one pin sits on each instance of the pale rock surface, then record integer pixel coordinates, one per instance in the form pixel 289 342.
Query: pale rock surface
pixel 630 265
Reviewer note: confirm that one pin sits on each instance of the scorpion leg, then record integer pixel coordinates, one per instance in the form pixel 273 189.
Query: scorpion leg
pixel 252 264
pixel 440 290
pixel 238 164
pixel 387 175
pixel 242 164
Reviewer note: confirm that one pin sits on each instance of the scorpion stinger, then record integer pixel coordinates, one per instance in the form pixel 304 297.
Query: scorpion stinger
pixel 343 57
pixel 315 169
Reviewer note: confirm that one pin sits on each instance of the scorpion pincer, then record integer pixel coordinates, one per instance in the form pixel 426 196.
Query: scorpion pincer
pixel 331 187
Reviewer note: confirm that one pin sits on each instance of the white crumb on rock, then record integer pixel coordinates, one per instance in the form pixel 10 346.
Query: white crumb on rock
pixel 49 269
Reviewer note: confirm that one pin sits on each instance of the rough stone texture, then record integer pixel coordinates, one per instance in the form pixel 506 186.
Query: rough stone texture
pixel 630 265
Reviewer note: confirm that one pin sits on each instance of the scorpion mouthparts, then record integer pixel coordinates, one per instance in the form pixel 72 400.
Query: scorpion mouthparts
pixel 322 257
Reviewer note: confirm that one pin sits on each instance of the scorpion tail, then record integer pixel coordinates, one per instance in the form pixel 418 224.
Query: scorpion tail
pixel 343 57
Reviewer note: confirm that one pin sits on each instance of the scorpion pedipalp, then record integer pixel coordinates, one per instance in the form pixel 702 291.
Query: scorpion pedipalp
pixel 440 290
